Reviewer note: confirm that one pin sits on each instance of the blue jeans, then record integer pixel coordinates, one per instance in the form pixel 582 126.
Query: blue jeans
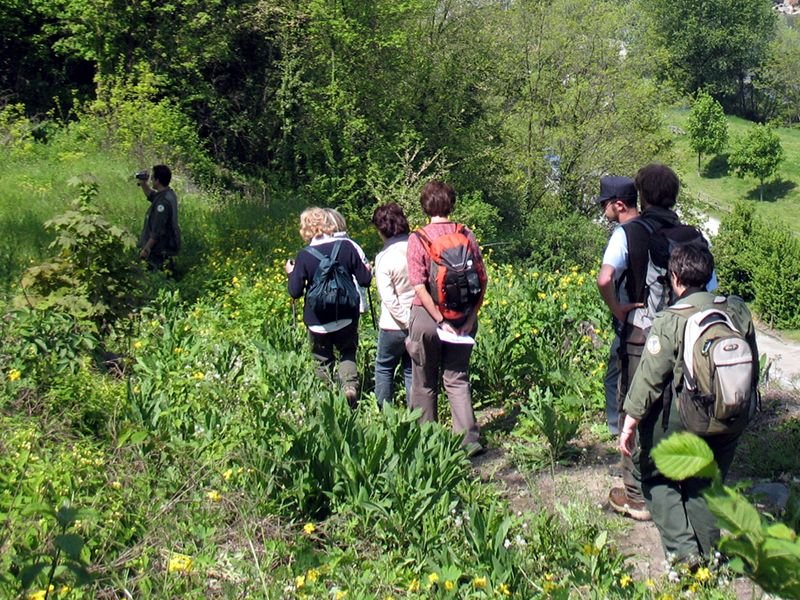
pixel 391 352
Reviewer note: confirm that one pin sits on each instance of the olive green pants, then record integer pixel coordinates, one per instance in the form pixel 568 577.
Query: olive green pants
pixel 688 529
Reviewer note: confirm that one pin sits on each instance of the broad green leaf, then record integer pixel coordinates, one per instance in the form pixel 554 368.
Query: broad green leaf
pixel 781 531
pixel 735 513
pixel 71 544
pixel 684 455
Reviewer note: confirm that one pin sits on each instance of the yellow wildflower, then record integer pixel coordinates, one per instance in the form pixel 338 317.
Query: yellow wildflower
pixel 542 295
pixel 300 581
pixel 702 574
pixel 650 583
pixel 14 374
pixel 214 495
pixel 137 344
pixel 199 375
pixel 564 306
pixel 503 589
pixel 63 590
pixel 178 350
pixel 480 582
pixel 665 597
pixel 432 579
pixel 534 331
pixel 227 474
pixel 694 588
pixel 312 575
pixel 550 576
pixel 309 528
pixel 449 585
pixel 625 581
pixel 413 586
pixel 180 563
pixel 340 594
pixel 116 485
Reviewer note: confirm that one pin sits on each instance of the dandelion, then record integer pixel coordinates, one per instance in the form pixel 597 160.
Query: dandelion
pixel 116 485
pixel 413 586
pixel 199 375
pixel 14 374
pixel 625 581
pixel 503 589
pixel 480 582
pixel 214 495
pixel 180 563
pixel 702 574
pixel 312 575
pixel 449 585
pixel 432 579
pixel 309 528
pixel 300 581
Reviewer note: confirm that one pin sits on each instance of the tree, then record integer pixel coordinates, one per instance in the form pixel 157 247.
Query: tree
pixel 778 82
pixel 757 153
pixel 714 45
pixel 708 127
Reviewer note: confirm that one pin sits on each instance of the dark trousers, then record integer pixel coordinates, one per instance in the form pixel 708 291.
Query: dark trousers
pixel 688 529
pixel 632 341
pixel 345 341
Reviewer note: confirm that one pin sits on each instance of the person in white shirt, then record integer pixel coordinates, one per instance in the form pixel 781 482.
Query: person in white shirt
pixel 396 295
pixel 617 200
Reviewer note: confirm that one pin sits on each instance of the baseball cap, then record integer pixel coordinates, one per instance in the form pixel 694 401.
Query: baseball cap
pixel 615 186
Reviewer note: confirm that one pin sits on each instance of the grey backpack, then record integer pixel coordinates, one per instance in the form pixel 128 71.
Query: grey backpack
pixel 718 393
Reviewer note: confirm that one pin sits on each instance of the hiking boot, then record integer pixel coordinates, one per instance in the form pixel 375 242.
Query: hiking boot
pixel 474 449
pixel 619 501
pixel 351 393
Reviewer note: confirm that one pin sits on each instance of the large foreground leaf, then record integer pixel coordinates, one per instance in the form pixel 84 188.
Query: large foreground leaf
pixel 684 455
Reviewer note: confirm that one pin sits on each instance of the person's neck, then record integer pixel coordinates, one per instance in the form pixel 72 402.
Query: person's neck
pixel 628 215
pixel 440 219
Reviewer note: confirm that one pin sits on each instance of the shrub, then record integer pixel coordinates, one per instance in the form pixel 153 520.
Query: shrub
pixel 760 263
pixel 93 274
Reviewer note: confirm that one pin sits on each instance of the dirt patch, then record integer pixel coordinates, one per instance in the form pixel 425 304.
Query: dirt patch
pixel 595 470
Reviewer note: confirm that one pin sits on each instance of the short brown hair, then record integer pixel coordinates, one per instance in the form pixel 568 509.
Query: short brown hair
pixel 390 220
pixel 437 198
pixel 692 265
pixel 314 221
pixel 658 185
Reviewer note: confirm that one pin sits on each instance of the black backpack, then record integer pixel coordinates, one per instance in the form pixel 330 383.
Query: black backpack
pixel 332 293
pixel 655 289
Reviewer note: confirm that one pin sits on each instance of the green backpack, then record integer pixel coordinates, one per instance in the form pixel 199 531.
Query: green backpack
pixel 718 394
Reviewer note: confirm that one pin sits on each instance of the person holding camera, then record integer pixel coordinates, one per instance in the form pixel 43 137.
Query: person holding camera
pixel 161 235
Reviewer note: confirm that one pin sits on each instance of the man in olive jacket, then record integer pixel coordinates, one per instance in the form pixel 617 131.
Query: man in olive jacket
pixel 688 529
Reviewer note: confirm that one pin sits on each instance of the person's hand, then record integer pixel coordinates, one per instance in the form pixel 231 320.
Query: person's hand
pixel 468 325
pixel 621 314
pixel 145 253
pixel 289 266
pixel 627 436
pixel 445 326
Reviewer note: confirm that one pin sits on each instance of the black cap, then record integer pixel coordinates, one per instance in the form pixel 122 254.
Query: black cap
pixel 615 186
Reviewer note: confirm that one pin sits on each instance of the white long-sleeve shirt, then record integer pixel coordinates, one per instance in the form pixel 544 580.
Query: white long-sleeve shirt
pixel 395 291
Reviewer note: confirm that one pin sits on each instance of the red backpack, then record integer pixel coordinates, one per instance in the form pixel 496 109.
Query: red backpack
pixel 454 280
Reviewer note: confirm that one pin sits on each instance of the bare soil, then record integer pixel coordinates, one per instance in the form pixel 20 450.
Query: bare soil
pixel 595 471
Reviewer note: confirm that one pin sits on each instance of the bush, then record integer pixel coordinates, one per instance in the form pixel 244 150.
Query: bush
pixel 760 263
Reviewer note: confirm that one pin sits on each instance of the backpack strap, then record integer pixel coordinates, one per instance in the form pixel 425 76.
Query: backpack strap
pixel 637 234
pixel 315 253
pixel 335 251
pixel 684 311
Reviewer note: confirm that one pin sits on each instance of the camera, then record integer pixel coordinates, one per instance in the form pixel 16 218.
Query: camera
pixel 141 175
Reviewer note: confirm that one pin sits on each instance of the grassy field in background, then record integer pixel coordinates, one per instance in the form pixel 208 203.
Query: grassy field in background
pixel 715 187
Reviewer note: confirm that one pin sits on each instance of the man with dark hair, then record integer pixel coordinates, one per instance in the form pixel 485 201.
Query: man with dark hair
pixel 658 188
pixel 617 200
pixel 161 235
pixel 688 530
